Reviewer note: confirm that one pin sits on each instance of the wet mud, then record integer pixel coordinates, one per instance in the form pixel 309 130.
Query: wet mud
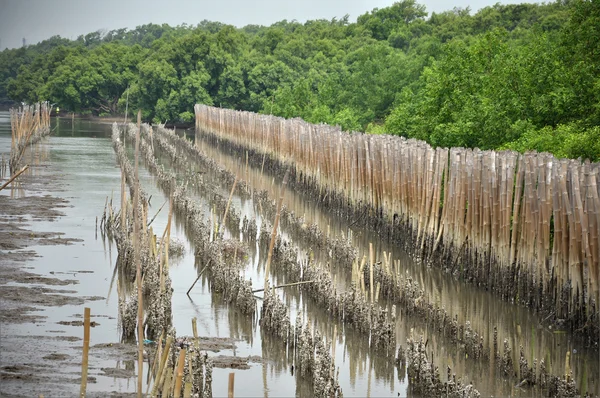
pixel 41 285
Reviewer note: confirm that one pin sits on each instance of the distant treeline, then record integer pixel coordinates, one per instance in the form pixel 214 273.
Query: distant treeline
pixel 523 77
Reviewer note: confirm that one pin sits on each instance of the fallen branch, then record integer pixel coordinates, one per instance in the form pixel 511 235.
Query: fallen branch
pixel 286 285
pixel 163 205
pixel 13 177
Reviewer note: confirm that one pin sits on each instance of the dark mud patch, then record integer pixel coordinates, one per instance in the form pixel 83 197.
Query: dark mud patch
pixel 37 207
pixel 17 257
pixel 77 323
pixel 8 274
pixel 56 357
pixel 216 344
pixel 71 272
pixel 94 316
pixel 41 296
pixel 17 372
pixel 114 351
pixel 90 379
pixel 116 372
pixel 42 337
pixel 20 315
pixel 230 362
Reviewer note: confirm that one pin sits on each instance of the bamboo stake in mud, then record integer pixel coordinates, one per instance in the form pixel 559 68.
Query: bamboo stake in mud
pixel 86 350
pixel 231 384
pixel 187 389
pixel 195 331
pixel 166 388
pixel 179 377
pixel 163 364
pixel 164 261
pixel 275 224
pixel 137 260
pixel 11 179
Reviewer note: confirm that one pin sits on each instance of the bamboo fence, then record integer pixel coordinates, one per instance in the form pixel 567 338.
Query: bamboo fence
pixel 29 124
pixel 526 226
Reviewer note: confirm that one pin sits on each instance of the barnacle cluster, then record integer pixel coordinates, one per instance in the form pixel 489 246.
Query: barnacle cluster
pixel 220 255
pixel 312 356
pixel 157 299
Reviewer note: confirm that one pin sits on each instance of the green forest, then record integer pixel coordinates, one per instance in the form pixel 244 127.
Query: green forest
pixel 521 77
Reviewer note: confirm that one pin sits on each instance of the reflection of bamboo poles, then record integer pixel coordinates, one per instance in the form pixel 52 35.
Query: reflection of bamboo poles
pixel 275 224
pixel 228 204
pixel 523 225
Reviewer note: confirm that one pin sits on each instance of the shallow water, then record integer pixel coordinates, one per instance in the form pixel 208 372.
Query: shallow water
pixel 80 152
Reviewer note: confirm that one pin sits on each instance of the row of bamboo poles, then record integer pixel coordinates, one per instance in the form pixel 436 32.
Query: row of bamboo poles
pixel 524 225
pixel 28 123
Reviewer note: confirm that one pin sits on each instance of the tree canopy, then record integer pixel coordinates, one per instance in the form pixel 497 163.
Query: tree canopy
pixel 519 76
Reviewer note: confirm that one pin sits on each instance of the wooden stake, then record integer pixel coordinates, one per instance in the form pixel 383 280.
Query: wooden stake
pixel 231 384
pixel 163 363
pixel 166 388
pixel 86 349
pixel 179 377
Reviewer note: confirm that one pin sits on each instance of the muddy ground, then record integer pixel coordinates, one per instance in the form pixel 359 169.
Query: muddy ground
pixel 41 322
pixel 33 364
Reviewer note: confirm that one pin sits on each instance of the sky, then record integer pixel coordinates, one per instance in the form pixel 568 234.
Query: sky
pixel 37 20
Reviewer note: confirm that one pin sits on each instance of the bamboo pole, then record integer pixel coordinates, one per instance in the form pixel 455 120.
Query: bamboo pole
pixel 11 179
pixel 198 277
pixel 179 378
pixel 231 385
pixel 86 349
pixel 163 364
pixel 137 260
pixel 286 285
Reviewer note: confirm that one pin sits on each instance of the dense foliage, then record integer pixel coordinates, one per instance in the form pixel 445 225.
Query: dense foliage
pixel 522 77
